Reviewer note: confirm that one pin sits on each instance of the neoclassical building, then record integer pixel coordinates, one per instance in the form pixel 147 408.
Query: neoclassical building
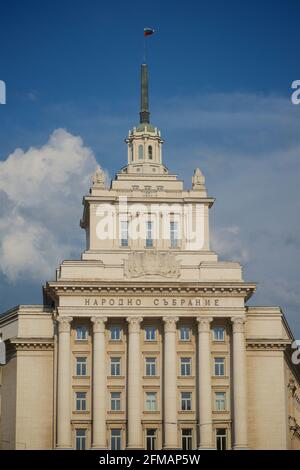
pixel 147 341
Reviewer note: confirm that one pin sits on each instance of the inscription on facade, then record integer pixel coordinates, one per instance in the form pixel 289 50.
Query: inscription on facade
pixel 176 302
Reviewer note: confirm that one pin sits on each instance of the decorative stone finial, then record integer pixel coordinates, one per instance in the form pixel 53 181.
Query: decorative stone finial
pixel 99 178
pixel 198 180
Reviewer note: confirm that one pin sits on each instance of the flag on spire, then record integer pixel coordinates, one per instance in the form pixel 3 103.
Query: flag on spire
pixel 148 31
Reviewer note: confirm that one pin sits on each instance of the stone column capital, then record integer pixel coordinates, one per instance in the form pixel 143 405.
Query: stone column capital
pixel 170 323
pixel 98 324
pixel 204 324
pixel 238 324
pixel 64 324
pixel 134 324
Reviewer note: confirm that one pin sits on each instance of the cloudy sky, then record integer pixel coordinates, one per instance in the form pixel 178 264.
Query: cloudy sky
pixel 220 88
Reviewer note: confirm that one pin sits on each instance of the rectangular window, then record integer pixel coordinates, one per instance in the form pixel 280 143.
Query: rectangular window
pixel 124 233
pixel 80 439
pixel 149 239
pixel 220 401
pixel 186 401
pixel 115 439
pixel 221 439
pixel 151 439
pixel 81 366
pixel 185 366
pixel 115 333
pixel 187 439
pixel 151 402
pixel 219 366
pixel 115 366
pixel 174 234
pixel 184 333
pixel 115 401
pixel 150 366
pixel 80 401
pixel 219 333
pixel 81 333
pixel 150 333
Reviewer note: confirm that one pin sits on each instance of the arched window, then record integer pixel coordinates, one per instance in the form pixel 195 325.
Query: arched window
pixel 150 152
pixel 141 152
pixel 131 152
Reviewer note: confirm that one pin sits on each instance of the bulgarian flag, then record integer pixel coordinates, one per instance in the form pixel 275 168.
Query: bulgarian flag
pixel 148 31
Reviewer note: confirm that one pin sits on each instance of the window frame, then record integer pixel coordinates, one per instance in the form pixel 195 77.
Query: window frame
pixel 174 239
pixel 153 401
pixel 219 365
pixel 81 365
pixel 185 401
pixel 221 438
pixel 219 401
pixel 81 402
pixel 85 329
pixel 185 365
pixel 147 328
pixel 116 401
pixel 215 338
pixel 185 327
pixel 116 364
pixel 188 439
pixel 117 439
pixel 151 362
pixel 80 439
pixel 152 438
pixel 115 327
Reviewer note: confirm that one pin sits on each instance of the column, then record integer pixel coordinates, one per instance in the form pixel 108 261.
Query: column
pixel 204 371
pixel 99 440
pixel 170 383
pixel 134 402
pixel 64 440
pixel 239 384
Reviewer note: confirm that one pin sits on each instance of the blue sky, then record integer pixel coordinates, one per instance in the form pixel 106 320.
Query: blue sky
pixel 220 86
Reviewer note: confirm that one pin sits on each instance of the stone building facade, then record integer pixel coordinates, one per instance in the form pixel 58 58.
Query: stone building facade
pixel 147 341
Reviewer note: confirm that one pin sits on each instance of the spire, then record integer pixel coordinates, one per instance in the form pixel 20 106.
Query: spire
pixel 144 113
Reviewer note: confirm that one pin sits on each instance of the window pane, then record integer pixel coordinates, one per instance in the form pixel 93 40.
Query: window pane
pixel 115 439
pixel 115 366
pixel 124 233
pixel 149 241
pixel 80 439
pixel 184 333
pixel 150 401
pixel 81 333
pixel 219 333
pixel 81 366
pixel 150 333
pixel 174 234
pixel 150 153
pixel 115 333
pixel 141 152
pixel 219 366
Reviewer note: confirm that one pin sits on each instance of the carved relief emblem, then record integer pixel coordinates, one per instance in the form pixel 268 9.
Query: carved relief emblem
pixel 151 263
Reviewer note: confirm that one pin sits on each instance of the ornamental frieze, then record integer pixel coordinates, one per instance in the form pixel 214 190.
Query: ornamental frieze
pixel 151 263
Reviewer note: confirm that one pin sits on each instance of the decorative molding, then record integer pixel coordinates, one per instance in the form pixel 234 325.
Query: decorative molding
pixel 124 287
pixel 170 323
pixel 32 344
pixel 98 324
pixel 151 263
pixel 238 324
pixel 266 345
pixel 204 324
pixel 64 324
pixel 134 324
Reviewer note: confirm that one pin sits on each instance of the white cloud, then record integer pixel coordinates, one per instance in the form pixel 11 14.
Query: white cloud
pixel 41 191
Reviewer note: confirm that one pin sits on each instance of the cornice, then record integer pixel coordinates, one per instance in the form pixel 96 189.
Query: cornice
pixel 31 344
pixel 224 289
pixel 267 344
